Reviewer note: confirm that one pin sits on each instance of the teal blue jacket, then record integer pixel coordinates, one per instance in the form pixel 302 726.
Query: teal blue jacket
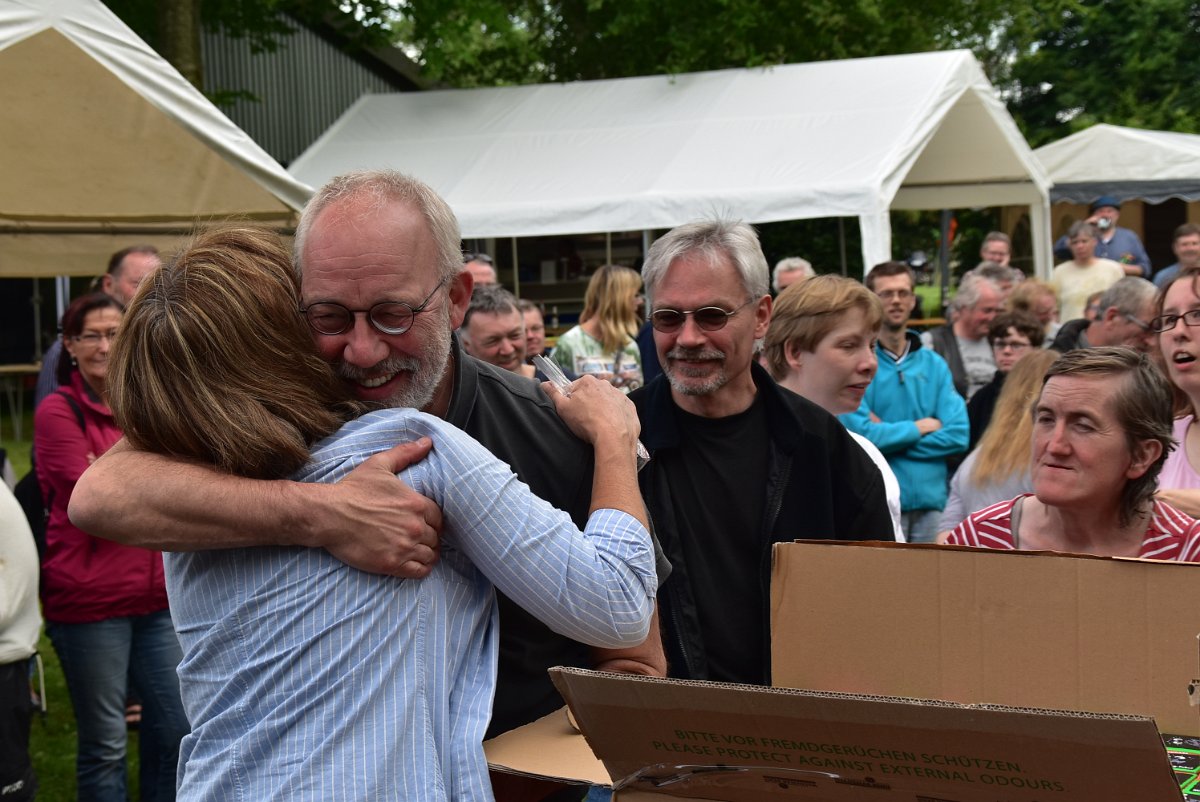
pixel 918 385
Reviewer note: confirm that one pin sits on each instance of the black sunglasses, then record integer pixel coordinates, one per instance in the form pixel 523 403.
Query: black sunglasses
pixel 708 318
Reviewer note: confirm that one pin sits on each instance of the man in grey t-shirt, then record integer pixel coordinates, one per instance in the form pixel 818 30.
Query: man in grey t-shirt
pixel 963 342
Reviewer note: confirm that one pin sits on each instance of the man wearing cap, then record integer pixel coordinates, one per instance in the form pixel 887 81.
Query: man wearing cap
pixel 1116 243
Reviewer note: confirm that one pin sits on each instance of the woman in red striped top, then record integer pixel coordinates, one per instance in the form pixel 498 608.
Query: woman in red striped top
pixel 1101 431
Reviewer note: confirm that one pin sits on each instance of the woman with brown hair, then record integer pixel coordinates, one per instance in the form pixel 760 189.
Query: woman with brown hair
pixel 1178 342
pixel 603 343
pixel 306 679
pixel 1101 431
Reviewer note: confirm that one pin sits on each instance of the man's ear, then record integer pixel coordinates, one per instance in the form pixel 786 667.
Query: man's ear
pixel 762 316
pixel 459 297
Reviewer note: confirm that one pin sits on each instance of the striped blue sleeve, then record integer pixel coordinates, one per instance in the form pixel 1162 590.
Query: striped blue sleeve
pixel 596 587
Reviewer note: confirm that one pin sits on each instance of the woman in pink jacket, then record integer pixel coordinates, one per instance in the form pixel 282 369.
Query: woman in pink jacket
pixel 105 604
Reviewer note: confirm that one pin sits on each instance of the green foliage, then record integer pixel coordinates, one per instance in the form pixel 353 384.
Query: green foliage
pixel 1125 62
pixel 364 24
pixel 486 42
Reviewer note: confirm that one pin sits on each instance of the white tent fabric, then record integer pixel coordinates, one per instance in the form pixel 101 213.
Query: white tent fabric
pixel 1131 163
pixel 839 138
pixel 104 144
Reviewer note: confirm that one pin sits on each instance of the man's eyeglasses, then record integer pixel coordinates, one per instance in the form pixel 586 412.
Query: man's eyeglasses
pixel 93 338
pixel 888 295
pixel 1010 345
pixel 477 257
pixel 708 318
pixel 1137 321
pixel 387 317
pixel 1167 322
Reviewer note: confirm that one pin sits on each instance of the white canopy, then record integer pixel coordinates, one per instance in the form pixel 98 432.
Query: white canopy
pixel 105 144
pixel 1124 162
pixel 836 138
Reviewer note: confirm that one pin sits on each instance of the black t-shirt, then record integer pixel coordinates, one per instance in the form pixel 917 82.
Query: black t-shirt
pixel 717 479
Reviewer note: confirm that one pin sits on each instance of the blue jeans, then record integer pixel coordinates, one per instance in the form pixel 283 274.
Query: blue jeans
pixel 920 526
pixel 96 659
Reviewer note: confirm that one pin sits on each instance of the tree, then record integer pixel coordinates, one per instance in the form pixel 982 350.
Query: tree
pixel 1068 65
pixel 487 42
pixel 172 27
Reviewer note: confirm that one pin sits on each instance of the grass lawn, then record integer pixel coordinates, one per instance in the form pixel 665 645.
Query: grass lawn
pixel 52 739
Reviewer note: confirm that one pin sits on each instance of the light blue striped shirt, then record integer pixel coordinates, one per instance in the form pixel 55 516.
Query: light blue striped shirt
pixel 305 679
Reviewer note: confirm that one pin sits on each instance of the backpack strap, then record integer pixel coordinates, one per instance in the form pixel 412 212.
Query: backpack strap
pixel 75 408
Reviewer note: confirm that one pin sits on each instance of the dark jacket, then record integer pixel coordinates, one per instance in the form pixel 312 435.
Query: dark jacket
pixel 981 406
pixel 515 420
pixel 511 416
pixel 1071 335
pixel 945 344
pixel 820 485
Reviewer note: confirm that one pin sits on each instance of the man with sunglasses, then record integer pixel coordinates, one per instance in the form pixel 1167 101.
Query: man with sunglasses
pixel 383 288
pixel 1125 310
pixel 737 462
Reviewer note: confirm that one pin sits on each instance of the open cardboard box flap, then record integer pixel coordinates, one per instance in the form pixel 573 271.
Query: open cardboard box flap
pixel 876 631
pixel 981 626
pixel 695 740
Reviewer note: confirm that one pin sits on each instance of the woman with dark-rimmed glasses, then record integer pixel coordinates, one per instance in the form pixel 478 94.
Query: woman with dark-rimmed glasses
pixel 1177 333
pixel 105 603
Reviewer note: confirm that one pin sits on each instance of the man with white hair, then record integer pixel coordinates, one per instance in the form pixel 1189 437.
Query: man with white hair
pixel 1126 309
pixel 480 266
pixel 738 462
pixel 789 271
pixel 963 342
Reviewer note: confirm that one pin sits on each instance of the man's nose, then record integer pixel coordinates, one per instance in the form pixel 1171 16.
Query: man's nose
pixel 690 333
pixel 364 347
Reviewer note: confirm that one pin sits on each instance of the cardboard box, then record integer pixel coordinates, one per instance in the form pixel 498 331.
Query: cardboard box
pixel 961 631
pixel 982 626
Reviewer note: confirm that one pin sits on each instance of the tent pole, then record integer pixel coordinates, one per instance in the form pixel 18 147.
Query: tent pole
pixel 608 248
pixel 62 297
pixel 516 270
pixel 842 245
pixel 944 259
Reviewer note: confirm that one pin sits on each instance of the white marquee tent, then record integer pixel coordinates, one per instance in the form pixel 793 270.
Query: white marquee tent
pixel 104 144
pixel 1126 162
pixel 839 138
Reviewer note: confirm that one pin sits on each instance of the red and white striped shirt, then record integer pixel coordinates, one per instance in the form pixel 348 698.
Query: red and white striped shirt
pixel 1170 536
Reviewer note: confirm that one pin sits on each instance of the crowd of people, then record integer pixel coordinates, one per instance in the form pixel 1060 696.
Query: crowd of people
pixel 316 515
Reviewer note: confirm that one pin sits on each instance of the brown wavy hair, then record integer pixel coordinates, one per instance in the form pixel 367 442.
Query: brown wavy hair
pixel 215 363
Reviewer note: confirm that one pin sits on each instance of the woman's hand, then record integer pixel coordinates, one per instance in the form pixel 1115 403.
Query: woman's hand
pixel 596 411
